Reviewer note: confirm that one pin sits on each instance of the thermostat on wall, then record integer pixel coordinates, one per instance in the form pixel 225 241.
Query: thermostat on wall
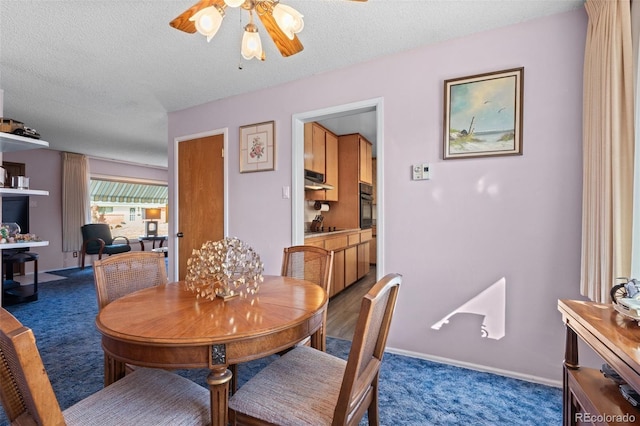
pixel 420 171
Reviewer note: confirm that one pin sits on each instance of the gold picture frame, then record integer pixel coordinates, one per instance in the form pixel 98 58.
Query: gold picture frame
pixel 257 147
pixel 483 115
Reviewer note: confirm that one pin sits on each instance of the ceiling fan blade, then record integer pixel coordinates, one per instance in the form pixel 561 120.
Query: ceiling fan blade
pixel 286 46
pixel 183 23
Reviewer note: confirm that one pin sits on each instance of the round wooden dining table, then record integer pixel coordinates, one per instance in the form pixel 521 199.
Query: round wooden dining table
pixel 168 327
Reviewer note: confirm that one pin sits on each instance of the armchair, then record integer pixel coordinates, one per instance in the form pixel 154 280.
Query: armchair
pixel 97 239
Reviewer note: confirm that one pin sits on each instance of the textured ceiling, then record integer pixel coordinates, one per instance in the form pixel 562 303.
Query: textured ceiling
pixel 99 76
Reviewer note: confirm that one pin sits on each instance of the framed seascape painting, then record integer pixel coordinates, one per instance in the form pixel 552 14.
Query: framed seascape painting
pixel 483 115
pixel 257 147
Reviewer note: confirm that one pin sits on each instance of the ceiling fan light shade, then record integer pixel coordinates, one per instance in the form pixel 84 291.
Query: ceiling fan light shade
pixel 288 19
pixel 234 3
pixel 208 21
pixel 251 43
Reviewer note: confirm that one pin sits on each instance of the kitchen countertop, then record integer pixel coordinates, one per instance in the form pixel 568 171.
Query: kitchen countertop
pixel 326 233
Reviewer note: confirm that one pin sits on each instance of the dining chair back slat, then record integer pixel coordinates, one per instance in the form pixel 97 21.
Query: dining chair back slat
pixel 119 275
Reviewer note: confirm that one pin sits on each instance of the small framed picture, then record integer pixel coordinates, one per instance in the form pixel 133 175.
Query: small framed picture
pixel 257 147
pixel 483 115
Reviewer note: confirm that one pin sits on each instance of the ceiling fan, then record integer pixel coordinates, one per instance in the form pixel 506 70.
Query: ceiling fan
pixel 281 22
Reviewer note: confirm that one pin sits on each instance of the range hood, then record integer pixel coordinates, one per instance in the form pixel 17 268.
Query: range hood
pixel 314 181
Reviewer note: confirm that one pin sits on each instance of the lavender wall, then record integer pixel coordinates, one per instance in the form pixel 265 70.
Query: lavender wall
pixel 476 221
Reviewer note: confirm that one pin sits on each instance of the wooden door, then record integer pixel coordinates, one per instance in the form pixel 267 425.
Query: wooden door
pixel 200 195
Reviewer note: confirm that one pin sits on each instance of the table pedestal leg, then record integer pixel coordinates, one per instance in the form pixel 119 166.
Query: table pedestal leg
pixel 218 380
pixel 113 370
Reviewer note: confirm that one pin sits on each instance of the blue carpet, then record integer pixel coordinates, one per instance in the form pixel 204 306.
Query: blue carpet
pixel 412 391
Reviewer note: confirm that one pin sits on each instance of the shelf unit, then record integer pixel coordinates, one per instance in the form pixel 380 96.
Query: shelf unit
pixel 12 192
pixel 586 392
pixel 12 143
pixel 24 245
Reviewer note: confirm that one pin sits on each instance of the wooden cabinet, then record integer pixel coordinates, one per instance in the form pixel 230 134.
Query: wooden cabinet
pixel 366 167
pixel 364 253
pixel 351 265
pixel 314 148
pixel 351 251
pixel 373 247
pixel 346 212
pixel 363 259
pixel 321 155
pixel 587 394
pixel 337 284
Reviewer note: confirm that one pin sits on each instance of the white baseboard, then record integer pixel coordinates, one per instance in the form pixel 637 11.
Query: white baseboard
pixel 477 367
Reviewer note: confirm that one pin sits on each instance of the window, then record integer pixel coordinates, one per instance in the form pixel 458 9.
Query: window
pixel 121 204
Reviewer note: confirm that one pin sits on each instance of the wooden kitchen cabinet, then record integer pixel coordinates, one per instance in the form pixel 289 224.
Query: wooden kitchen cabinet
pixel 321 155
pixel 366 167
pixel 314 148
pixel 351 265
pixel 346 212
pixel 373 247
pixel 351 251
pixel 363 259
pixel 337 285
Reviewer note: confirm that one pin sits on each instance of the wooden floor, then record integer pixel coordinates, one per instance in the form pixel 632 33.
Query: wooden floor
pixel 342 314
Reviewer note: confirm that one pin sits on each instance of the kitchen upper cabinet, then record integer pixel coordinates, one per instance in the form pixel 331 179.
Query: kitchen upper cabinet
pixel 314 148
pixel 366 168
pixel 321 147
pixel 331 166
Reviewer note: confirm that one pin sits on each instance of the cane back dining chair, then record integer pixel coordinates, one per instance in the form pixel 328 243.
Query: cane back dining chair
pixel 119 275
pixel 146 396
pixel 313 264
pixel 97 239
pixel 125 273
pixel 310 387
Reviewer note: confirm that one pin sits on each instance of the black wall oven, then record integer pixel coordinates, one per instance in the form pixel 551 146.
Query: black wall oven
pixel 366 206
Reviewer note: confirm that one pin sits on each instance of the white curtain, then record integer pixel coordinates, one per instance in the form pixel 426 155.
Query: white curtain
pixel 635 34
pixel 76 208
pixel 608 148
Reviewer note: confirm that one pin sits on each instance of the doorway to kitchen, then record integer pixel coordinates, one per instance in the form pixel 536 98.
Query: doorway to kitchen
pixel 360 117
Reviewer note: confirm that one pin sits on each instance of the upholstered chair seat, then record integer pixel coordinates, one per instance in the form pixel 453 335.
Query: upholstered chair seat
pixel 144 397
pixel 303 377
